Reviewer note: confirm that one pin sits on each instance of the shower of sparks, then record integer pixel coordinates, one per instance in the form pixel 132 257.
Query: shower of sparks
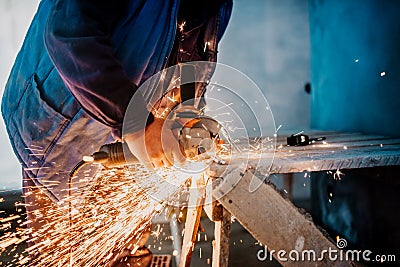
pixel 102 220
pixel 223 106
pixel 91 226
pixel 182 26
pixel 338 175
pixel 172 99
pixel 206 44
pixel 299 133
pixel 176 80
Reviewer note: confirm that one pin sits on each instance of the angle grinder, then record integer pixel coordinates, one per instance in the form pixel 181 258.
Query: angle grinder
pixel 197 136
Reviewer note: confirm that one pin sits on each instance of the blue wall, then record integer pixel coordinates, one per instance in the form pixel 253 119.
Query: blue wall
pixel 355 65
pixel 268 40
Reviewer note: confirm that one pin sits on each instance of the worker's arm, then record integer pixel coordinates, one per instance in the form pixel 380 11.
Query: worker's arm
pixel 78 40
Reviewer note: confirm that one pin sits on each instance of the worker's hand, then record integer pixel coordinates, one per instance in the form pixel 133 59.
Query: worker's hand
pixel 156 146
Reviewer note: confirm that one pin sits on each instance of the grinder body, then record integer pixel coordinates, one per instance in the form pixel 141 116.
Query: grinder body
pixel 197 136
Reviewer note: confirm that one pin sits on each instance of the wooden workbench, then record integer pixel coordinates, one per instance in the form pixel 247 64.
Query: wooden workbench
pixel 273 219
pixel 339 151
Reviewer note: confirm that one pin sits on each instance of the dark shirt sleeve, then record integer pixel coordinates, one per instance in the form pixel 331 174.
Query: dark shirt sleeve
pixel 225 13
pixel 78 40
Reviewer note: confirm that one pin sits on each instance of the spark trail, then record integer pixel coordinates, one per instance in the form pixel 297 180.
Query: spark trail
pixel 94 224
pixel 101 220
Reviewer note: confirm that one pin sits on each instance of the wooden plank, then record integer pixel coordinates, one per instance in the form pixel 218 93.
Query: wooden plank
pixel 273 220
pixel 299 161
pixel 331 153
pixel 380 158
pixel 342 151
pixel 356 140
pixel 195 207
pixel 222 233
pixel 212 207
pixel 332 136
pixel 343 145
pixel 332 162
pixel 338 142
pixel 335 136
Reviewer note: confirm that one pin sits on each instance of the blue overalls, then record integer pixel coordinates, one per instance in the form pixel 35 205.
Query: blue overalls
pixel 51 117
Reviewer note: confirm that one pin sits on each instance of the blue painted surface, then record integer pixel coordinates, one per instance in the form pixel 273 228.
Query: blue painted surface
pixel 355 65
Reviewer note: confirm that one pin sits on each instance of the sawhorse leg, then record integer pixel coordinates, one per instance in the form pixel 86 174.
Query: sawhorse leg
pixel 195 207
pixel 222 233
pixel 216 213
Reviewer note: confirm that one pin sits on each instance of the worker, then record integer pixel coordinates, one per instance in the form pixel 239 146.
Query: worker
pixel 79 66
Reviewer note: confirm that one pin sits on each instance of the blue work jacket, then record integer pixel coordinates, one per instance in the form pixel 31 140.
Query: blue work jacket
pixel 79 66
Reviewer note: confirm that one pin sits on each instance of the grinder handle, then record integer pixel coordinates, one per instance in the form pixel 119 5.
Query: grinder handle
pixel 114 155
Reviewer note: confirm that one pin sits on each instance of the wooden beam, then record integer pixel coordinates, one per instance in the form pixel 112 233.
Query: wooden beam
pixel 338 151
pixel 273 220
pixel 195 207
pixel 222 233
pixel 212 207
